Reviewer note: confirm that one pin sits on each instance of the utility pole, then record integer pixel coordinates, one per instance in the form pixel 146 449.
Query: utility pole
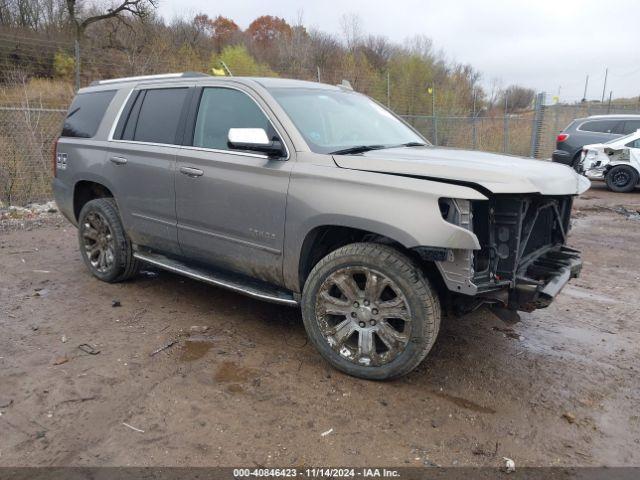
pixel 586 84
pixel 604 87
pixel 318 68
pixel 609 106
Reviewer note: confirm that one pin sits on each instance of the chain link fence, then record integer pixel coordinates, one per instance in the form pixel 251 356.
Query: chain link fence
pixel 26 142
pixel 27 133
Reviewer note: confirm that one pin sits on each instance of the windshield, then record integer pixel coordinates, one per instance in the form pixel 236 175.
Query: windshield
pixel 334 120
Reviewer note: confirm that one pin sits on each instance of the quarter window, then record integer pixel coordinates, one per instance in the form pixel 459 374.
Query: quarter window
pixel 224 108
pixel 85 114
pixel 159 117
pixel 634 144
pixel 631 126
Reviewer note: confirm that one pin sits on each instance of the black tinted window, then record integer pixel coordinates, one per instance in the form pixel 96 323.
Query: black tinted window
pixel 85 114
pixel 221 109
pixel 601 126
pixel 634 144
pixel 159 117
pixel 630 126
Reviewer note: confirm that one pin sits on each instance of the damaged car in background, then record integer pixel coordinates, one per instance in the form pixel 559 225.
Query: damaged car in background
pixel 616 162
pixel 312 196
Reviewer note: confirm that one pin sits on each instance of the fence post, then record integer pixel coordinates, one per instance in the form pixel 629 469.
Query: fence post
pixel 536 124
pixel 474 132
pixel 505 129
pixel 76 48
pixel 435 117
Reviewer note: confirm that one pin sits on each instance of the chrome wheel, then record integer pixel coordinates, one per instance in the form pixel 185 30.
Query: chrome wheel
pixel 98 242
pixel 363 315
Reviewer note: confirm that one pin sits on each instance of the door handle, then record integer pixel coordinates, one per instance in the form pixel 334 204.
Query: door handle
pixel 118 160
pixel 191 172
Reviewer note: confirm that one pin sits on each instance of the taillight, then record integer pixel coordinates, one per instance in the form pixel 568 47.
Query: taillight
pixel 562 137
pixel 54 154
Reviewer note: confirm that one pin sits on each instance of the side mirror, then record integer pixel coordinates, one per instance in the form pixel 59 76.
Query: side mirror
pixel 255 140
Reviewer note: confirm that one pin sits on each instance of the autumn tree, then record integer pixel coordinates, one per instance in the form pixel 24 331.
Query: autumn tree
pixel 224 30
pixel 264 30
pixel 240 62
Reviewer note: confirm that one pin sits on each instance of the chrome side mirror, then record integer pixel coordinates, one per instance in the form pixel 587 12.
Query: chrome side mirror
pixel 255 140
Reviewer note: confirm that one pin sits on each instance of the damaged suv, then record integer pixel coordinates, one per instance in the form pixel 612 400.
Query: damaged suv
pixel 315 196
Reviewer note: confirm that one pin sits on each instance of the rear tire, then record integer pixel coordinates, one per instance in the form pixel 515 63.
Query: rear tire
pixel 622 178
pixel 370 311
pixel 104 245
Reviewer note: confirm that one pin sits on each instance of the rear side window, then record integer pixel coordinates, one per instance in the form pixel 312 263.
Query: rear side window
pixel 224 108
pixel 159 116
pixel 600 126
pixel 630 126
pixel 85 114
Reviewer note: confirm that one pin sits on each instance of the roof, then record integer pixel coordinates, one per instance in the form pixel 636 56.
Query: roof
pixel 614 116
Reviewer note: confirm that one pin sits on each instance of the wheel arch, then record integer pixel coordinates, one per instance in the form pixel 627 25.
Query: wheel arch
pixel 324 239
pixel 87 190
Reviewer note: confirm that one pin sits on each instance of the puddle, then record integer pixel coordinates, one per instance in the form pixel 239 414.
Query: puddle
pixel 229 372
pixel 194 350
pixel 464 403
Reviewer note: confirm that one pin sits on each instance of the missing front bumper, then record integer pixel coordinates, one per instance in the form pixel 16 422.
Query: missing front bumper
pixel 544 278
pixel 536 286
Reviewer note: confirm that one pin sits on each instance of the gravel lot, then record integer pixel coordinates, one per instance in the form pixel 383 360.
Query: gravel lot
pixel 559 388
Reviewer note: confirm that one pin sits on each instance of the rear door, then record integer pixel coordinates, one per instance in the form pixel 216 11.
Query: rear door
pixel 142 159
pixel 231 204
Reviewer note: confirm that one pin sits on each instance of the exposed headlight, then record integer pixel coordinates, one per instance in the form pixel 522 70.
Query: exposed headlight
pixel 456 211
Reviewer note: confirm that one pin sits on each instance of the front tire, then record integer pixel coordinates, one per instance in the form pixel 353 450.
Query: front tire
pixel 104 245
pixel 370 311
pixel 622 179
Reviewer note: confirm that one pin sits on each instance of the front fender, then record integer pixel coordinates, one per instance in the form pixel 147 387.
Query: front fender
pixel 404 209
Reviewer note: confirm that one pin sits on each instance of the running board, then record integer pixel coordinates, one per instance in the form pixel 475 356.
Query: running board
pixel 229 281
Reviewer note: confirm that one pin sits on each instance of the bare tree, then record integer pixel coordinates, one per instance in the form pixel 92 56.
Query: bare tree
pixel 351 26
pixel 119 10
pixel 517 97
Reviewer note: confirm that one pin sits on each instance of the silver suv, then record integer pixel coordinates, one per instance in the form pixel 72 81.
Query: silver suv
pixel 315 196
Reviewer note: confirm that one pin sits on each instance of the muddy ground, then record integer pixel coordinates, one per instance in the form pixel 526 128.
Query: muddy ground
pixel 560 388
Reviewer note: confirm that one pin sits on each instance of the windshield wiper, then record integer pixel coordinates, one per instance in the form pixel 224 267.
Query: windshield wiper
pixel 368 148
pixel 358 149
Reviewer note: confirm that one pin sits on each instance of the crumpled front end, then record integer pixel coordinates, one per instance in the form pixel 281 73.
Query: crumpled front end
pixel 523 260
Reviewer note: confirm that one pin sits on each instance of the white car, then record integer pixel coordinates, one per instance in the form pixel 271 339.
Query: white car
pixel 616 162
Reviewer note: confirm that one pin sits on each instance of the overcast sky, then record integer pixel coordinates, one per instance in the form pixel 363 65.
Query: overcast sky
pixel 543 44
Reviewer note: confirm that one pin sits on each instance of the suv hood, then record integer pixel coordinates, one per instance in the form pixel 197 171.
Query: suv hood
pixel 494 172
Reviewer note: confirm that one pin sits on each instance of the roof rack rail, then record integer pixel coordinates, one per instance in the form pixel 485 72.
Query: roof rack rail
pixel 150 77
